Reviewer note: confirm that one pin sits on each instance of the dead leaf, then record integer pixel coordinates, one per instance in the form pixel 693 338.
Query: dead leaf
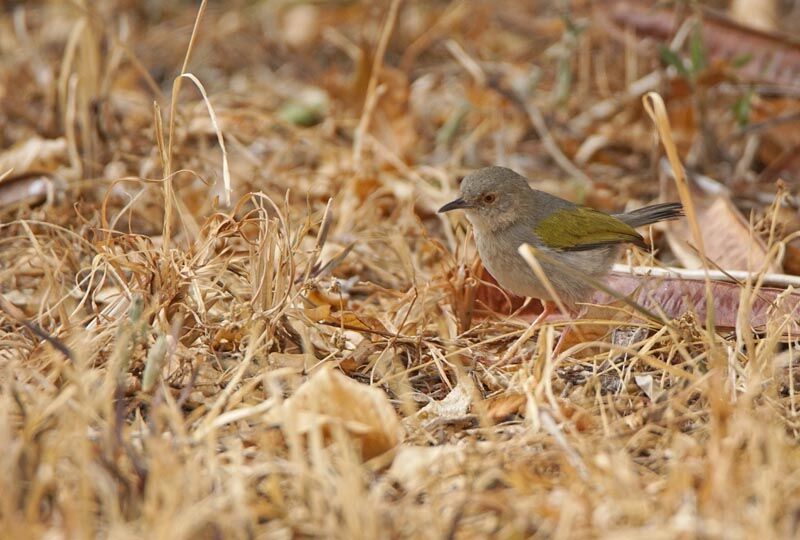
pixel 415 466
pixel 677 294
pixel 783 159
pixel 646 384
pixel 351 320
pixel 500 301
pixel 34 152
pixel 727 238
pixel 331 400
pixel 32 189
pixel 456 404
pixel 791 260
pixel 317 313
pixel 505 405
pixel 774 58
pixel 582 420
pixel 758 14
pixel 296 362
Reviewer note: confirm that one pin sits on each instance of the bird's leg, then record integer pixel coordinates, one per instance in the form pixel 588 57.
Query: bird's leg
pixel 550 308
pixel 568 329
pixel 561 340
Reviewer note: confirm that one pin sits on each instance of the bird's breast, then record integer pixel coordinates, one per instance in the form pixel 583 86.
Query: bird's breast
pixel 501 259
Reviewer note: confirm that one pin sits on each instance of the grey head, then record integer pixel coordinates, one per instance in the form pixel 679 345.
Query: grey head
pixel 494 198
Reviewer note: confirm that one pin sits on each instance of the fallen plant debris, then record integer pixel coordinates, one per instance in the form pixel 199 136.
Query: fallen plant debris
pixel 228 308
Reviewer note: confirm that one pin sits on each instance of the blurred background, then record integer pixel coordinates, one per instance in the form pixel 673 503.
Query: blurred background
pixel 288 81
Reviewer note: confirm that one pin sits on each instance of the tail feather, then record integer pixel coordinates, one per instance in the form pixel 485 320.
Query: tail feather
pixel 652 214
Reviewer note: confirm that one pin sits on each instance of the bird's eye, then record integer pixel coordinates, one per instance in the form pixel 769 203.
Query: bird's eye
pixel 489 198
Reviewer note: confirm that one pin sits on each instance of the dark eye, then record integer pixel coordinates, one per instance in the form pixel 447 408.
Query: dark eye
pixel 489 198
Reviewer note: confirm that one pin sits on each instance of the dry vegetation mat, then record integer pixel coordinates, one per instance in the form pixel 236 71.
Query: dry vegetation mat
pixel 228 308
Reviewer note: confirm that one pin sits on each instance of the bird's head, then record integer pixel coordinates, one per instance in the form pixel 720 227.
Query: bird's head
pixel 492 198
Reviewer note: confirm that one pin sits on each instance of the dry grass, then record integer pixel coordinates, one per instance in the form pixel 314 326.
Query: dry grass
pixel 175 367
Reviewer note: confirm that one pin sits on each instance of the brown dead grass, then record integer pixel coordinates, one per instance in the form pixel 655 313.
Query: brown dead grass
pixel 309 361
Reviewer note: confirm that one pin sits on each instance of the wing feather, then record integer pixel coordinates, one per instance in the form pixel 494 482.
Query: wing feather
pixel 583 228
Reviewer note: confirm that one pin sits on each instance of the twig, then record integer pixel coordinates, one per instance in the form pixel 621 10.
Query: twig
pixel 550 145
pixel 372 87
pixel 176 88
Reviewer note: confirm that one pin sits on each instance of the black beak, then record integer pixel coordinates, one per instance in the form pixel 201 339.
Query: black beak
pixel 457 204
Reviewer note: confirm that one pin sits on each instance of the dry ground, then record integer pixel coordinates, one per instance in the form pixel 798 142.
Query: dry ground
pixel 283 339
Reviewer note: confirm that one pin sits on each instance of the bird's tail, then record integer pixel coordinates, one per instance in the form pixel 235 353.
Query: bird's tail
pixel 652 214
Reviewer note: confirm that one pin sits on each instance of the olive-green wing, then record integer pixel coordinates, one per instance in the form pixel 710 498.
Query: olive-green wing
pixel 581 228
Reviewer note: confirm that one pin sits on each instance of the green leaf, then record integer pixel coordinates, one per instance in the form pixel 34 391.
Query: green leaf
pixel 453 124
pixel 671 58
pixel 741 60
pixel 301 114
pixel 742 107
pixel 563 84
pixel 697 50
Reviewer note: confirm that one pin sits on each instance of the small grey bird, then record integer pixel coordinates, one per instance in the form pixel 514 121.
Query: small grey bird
pixel 506 213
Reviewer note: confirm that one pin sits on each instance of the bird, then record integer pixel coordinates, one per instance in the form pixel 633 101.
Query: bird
pixel 505 213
